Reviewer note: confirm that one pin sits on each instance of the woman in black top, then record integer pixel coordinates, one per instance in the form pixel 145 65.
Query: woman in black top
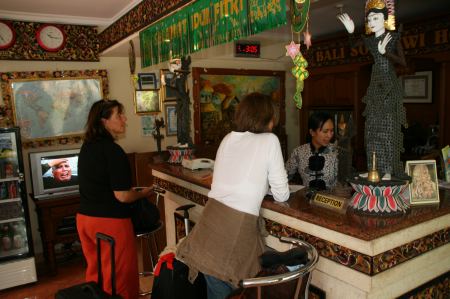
pixel 105 190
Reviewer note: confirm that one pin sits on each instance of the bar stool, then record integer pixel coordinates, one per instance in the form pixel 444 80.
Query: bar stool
pixel 296 282
pixel 147 242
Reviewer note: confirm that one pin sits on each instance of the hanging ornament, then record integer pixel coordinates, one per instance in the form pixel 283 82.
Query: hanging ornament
pixel 292 49
pixel 299 14
pixel 300 73
pixel 307 37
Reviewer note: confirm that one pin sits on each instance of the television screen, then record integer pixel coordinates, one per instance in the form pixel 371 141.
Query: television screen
pixel 54 173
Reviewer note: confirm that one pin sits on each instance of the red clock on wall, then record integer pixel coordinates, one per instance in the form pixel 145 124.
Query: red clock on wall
pixel 51 37
pixel 247 49
pixel 7 35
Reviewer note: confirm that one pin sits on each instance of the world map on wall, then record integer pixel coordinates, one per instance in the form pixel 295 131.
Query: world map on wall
pixel 47 108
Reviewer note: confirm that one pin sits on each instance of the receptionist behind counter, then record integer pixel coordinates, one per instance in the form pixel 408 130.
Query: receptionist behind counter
pixel 316 161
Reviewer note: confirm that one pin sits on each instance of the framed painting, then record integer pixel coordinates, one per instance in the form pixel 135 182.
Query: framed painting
pixel 424 188
pixel 51 107
pixel 418 88
pixel 170 110
pixel 147 101
pixel 217 92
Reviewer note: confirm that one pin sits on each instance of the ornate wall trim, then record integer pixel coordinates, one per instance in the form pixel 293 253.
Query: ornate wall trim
pixel 143 14
pixel 81 44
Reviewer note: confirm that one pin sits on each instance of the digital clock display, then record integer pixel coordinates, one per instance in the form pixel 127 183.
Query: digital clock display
pixel 247 49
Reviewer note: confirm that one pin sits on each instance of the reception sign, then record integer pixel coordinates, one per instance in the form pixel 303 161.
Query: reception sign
pixel 207 23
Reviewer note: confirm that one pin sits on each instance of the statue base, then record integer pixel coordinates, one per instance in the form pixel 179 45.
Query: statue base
pixel 385 198
pixel 177 154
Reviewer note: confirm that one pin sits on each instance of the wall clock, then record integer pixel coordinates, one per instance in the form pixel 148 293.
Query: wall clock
pixel 7 35
pixel 51 37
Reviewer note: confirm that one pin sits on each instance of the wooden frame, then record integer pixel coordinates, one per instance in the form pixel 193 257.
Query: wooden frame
pixel 216 93
pixel 147 101
pixel 147 81
pixel 51 107
pixel 424 188
pixel 418 88
pixel 170 110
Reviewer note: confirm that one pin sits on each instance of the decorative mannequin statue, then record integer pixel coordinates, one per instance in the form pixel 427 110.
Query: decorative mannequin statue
pixel 384 112
pixel 181 69
pixel 159 123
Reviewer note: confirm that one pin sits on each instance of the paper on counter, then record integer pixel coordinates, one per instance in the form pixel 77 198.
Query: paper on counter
pixel 292 189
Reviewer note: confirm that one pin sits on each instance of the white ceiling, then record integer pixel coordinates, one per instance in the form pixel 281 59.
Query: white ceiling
pixel 103 13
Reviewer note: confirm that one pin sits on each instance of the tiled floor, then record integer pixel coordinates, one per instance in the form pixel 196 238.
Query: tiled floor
pixel 70 272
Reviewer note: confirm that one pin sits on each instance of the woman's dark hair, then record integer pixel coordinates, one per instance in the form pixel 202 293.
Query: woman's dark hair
pixel 384 11
pixel 316 121
pixel 254 113
pixel 101 109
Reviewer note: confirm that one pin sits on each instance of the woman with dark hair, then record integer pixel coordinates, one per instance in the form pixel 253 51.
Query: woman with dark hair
pixel 226 243
pixel 384 112
pixel 105 195
pixel 316 161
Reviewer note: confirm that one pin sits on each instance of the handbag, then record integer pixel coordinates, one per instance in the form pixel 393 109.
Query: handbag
pixel 144 215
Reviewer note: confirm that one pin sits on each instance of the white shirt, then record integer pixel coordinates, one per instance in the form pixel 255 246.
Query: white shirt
pixel 246 164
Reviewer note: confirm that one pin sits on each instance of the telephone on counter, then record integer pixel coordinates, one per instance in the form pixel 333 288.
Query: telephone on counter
pixel 198 163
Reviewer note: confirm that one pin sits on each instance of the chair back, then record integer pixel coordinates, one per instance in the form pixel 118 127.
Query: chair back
pixel 291 284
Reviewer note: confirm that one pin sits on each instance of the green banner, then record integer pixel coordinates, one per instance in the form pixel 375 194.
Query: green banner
pixel 229 20
pixel 266 14
pixel 207 23
pixel 200 25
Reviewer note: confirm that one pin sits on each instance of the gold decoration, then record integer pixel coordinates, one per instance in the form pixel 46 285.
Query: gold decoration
pixel 389 24
pixel 377 4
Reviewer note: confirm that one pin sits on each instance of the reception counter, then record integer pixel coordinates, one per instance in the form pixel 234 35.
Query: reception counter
pixel 360 256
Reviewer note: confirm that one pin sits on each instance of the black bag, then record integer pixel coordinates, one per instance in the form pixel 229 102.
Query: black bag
pixel 173 283
pixel 92 290
pixel 144 215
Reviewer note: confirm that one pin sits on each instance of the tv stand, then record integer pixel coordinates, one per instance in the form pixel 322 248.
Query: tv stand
pixel 56 223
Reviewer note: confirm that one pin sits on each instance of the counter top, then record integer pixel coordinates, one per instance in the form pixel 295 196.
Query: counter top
pixel 366 228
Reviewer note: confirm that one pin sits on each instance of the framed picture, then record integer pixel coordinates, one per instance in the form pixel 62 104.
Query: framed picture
pixel 217 92
pixel 171 118
pixel 418 88
pixel 148 125
pixel 52 107
pixel 167 94
pixel 147 81
pixel 423 188
pixel 147 101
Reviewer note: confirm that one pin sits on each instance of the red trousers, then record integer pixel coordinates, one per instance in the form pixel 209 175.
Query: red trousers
pixel 127 276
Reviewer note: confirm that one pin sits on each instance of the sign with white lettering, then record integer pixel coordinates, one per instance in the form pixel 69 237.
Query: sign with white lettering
pixel 329 201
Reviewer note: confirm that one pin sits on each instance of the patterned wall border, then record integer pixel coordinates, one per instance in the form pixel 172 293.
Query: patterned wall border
pixel 82 44
pixel 342 255
pixel 362 262
pixel 143 14
pixel 181 191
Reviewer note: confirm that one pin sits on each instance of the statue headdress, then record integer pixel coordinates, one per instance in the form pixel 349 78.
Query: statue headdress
pixel 389 24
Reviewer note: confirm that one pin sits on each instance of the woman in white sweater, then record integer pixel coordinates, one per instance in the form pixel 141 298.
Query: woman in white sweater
pixel 226 243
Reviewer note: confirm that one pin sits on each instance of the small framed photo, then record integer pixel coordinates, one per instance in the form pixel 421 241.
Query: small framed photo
pixel 418 88
pixel 171 119
pixel 147 101
pixel 167 93
pixel 147 81
pixel 424 188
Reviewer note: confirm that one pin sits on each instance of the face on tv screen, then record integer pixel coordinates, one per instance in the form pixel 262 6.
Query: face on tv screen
pixel 59 171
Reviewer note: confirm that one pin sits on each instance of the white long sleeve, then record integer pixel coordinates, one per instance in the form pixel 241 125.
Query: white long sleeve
pixel 246 164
